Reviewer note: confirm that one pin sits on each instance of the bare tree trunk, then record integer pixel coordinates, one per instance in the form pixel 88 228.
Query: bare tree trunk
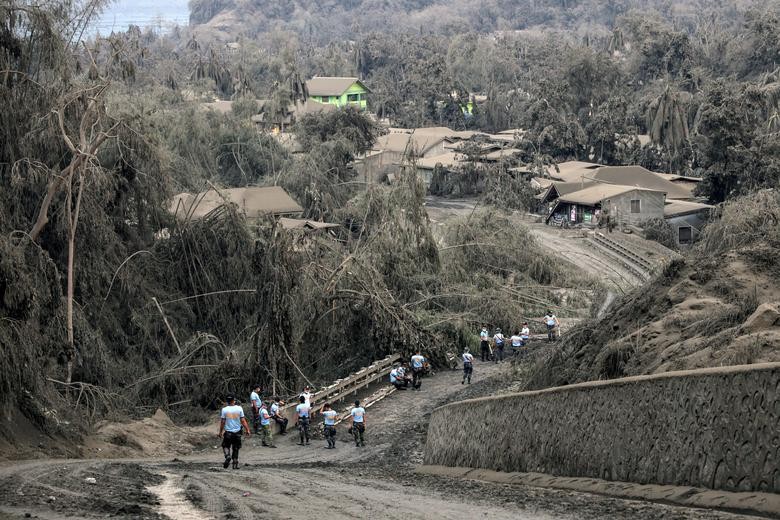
pixel 73 220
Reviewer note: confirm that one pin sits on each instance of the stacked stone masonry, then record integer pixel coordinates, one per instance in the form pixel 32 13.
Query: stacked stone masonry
pixel 713 428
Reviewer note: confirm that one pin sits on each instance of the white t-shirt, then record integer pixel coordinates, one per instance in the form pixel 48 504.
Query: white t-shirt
pixel 255 399
pixel 525 333
pixel 330 417
pixel 393 375
pixel 307 396
pixel 232 416
pixel 417 361
pixel 550 320
pixel 274 409
pixel 303 410
pixel 357 414
pixel 468 358
pixel 516 340
pixel 499 339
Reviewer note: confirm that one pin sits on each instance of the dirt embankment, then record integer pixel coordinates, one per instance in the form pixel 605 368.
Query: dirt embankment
pixel 700 312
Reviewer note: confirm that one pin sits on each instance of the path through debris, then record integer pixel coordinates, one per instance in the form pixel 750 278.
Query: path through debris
pixel 295 482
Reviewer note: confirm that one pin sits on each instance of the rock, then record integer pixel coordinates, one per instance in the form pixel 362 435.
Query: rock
pixel 90 480
pixel 766 316
pixel 51 498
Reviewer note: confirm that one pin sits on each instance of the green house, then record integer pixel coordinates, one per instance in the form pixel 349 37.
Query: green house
pixel 338 91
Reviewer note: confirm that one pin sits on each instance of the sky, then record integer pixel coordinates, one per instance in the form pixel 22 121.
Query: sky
pixel 143 13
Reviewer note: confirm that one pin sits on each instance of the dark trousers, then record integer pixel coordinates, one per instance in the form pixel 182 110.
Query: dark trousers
pixel 468 369
pixel 401 384
pixel 550 332
pixel 416 378
pixel 231 441
pixel 358 430
pixel 282 422
pixel 330 436
pixel 256 419
pixel 303 428
pixel 499 354
pixel 484 351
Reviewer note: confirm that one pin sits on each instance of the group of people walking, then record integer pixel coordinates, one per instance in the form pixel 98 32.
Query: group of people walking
pixel 267 413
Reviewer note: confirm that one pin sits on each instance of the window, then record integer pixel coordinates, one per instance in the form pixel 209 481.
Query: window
pixel 325 99
pixel 353 98
pixel 636 206
pixel 685 235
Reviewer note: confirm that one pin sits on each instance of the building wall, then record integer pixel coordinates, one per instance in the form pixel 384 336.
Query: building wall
pixel 695 221
pixel 713 428
pixel 652 206
pixel 343 99
pixel 375 168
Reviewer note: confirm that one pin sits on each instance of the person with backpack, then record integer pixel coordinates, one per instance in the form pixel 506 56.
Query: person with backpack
pixel 498 341
pixel 468 365
pixel 418 365
pixel 358 428
pixel 277 417
pixel 265 424
pixel 303 411
pixel 231 420
pixel 329 417
pixel 484 344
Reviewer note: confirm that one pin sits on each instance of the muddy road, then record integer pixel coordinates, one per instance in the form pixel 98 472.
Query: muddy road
pixel 291 481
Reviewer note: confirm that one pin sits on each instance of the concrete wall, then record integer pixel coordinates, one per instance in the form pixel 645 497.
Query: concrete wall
pixel 715 428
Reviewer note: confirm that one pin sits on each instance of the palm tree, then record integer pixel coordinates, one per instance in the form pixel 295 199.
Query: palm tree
pixel 667 122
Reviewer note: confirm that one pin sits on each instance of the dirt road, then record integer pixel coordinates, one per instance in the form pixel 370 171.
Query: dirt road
pixel 308 482
pixel 566 244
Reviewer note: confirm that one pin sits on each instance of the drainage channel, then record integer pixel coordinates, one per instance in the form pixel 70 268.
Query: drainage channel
pixel 173 503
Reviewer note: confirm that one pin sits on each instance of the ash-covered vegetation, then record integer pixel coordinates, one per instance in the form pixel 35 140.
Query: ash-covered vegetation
pixel 111 305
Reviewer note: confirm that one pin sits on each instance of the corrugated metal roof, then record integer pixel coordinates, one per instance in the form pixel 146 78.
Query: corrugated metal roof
pixel 448 160
pixel 253 201
pixel 594 194
pixel 641 178
pixel 331 86
pixel 676 208
pixel 571 171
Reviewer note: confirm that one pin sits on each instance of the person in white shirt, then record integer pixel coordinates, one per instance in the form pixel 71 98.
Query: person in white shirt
pixel 552 323
pixel 358 428
pixel 397 378
pixel 498 341
pixel 517 342
pixel 484 344
pixel 256 401
pixel 468 366
pixel 307 395
pixel 231 420
pixel 329 417
pixel 277 416
pixel 418 364
pixel 525 333
pixel 303 413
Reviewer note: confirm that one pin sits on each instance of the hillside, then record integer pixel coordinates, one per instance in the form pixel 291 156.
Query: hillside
pixel 719 306
pixel 324 20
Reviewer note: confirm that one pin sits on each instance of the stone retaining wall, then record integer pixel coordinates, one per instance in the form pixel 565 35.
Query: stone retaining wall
pixel 714 428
